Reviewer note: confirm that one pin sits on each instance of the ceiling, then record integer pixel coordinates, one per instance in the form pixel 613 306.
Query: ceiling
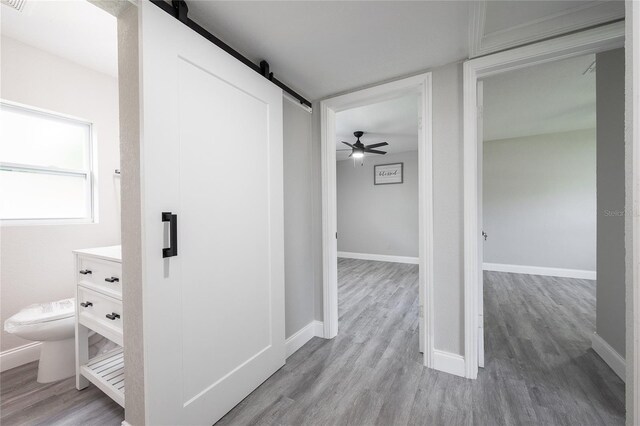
pixel 547 98
pixel 394 121
pixel 499 25
pixel 504 15
pixel 321 48
pixel 72 29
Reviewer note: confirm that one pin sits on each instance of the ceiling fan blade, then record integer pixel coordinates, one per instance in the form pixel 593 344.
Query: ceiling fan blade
pixel 374 151
pixel 350 154
pixel 347 143
pixel 375 145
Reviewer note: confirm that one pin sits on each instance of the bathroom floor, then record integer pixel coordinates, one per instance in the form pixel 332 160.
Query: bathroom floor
pixel 25 401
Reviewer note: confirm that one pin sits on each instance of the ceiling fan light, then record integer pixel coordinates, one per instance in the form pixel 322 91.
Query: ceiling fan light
pixel 357 154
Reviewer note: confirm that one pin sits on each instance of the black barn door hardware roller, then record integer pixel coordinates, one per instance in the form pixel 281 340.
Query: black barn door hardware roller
pixel 178 9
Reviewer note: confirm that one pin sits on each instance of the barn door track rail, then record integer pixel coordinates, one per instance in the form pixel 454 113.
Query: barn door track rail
pixel 178 9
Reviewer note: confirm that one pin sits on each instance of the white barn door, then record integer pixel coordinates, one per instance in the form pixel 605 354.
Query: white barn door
pixel 212 160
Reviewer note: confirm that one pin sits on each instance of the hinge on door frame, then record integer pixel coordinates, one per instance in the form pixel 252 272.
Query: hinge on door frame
pixel 180 10
pixel 421 314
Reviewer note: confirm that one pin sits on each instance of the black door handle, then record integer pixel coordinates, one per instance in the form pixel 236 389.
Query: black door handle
pixel 112 280
pixel 86 304
pixel 85 272
pixel 172 250
pixel 112 316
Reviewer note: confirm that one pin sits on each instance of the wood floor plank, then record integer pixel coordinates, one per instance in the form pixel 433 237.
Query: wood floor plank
pixel 540 368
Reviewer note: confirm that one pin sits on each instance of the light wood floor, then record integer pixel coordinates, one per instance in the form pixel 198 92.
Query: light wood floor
pixel 539 366
pixel 540 369
pixel 27 402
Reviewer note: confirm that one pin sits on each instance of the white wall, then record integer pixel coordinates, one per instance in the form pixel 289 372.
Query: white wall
pixel 298 247
pixel 539 200
pixel 132 297
pixel 378 219
pixel 37 264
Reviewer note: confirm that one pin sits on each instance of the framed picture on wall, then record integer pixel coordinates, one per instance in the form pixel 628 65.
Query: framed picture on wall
pixel 387 174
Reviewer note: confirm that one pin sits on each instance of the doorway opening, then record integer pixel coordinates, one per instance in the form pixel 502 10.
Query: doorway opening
pixel 551 178
pixel 61 182
pixel 417 88
pixel 377 221
pixel 589 42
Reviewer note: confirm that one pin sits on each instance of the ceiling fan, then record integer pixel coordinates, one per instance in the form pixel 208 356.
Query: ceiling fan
pixel 358 149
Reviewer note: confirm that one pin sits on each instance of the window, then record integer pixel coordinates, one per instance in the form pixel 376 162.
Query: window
pixel 46 163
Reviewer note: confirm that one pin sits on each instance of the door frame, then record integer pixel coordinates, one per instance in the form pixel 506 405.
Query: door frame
pixel 632 197
pixel 421 85
pixel 595 40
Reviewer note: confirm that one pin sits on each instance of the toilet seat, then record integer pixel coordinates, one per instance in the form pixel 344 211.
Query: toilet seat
pixel 53 326
pixel 41 313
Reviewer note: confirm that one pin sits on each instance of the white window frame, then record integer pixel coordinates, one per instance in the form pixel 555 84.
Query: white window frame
pixel 91 173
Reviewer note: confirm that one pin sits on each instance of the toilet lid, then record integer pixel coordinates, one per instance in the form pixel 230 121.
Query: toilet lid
pixel 43 312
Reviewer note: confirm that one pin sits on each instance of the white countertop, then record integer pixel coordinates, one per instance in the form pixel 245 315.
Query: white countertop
pixel 113 253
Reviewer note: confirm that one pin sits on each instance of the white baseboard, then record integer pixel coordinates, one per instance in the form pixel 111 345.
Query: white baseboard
pixel 379 257
pixel 21 355
pixel 448 362
pixel 539 270
pixel 302 336
pixel 319 329
pixel 609 355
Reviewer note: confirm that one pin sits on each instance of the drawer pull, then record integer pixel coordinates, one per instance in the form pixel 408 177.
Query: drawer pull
pixel 112 316
pixel 112 280
pixel 86 304
pixel 85 272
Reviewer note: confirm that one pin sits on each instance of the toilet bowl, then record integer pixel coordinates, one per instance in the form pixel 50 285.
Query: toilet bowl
pixel 53 324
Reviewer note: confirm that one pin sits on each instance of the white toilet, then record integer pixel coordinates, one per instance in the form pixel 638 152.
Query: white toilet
pixel 53 324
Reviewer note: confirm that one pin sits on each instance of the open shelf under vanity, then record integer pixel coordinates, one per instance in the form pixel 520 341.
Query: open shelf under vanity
pixel 107 373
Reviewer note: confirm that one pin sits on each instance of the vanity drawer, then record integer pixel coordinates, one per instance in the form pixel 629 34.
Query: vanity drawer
pixel 100 313
pixel 101 275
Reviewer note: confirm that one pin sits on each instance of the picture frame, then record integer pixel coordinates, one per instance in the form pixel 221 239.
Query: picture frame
pixel 388 174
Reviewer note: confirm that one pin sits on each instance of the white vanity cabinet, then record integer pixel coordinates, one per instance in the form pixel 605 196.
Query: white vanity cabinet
pixel 99 309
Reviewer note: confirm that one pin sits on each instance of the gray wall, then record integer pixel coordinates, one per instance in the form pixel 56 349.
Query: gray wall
pixel 316 213
pixel 37 263
pixel 610 301
pixel 448 209
pixel 298 240
pixel 539 199
pixel 378 219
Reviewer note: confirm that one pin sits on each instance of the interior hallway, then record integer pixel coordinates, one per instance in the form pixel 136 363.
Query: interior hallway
pixel 540 368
